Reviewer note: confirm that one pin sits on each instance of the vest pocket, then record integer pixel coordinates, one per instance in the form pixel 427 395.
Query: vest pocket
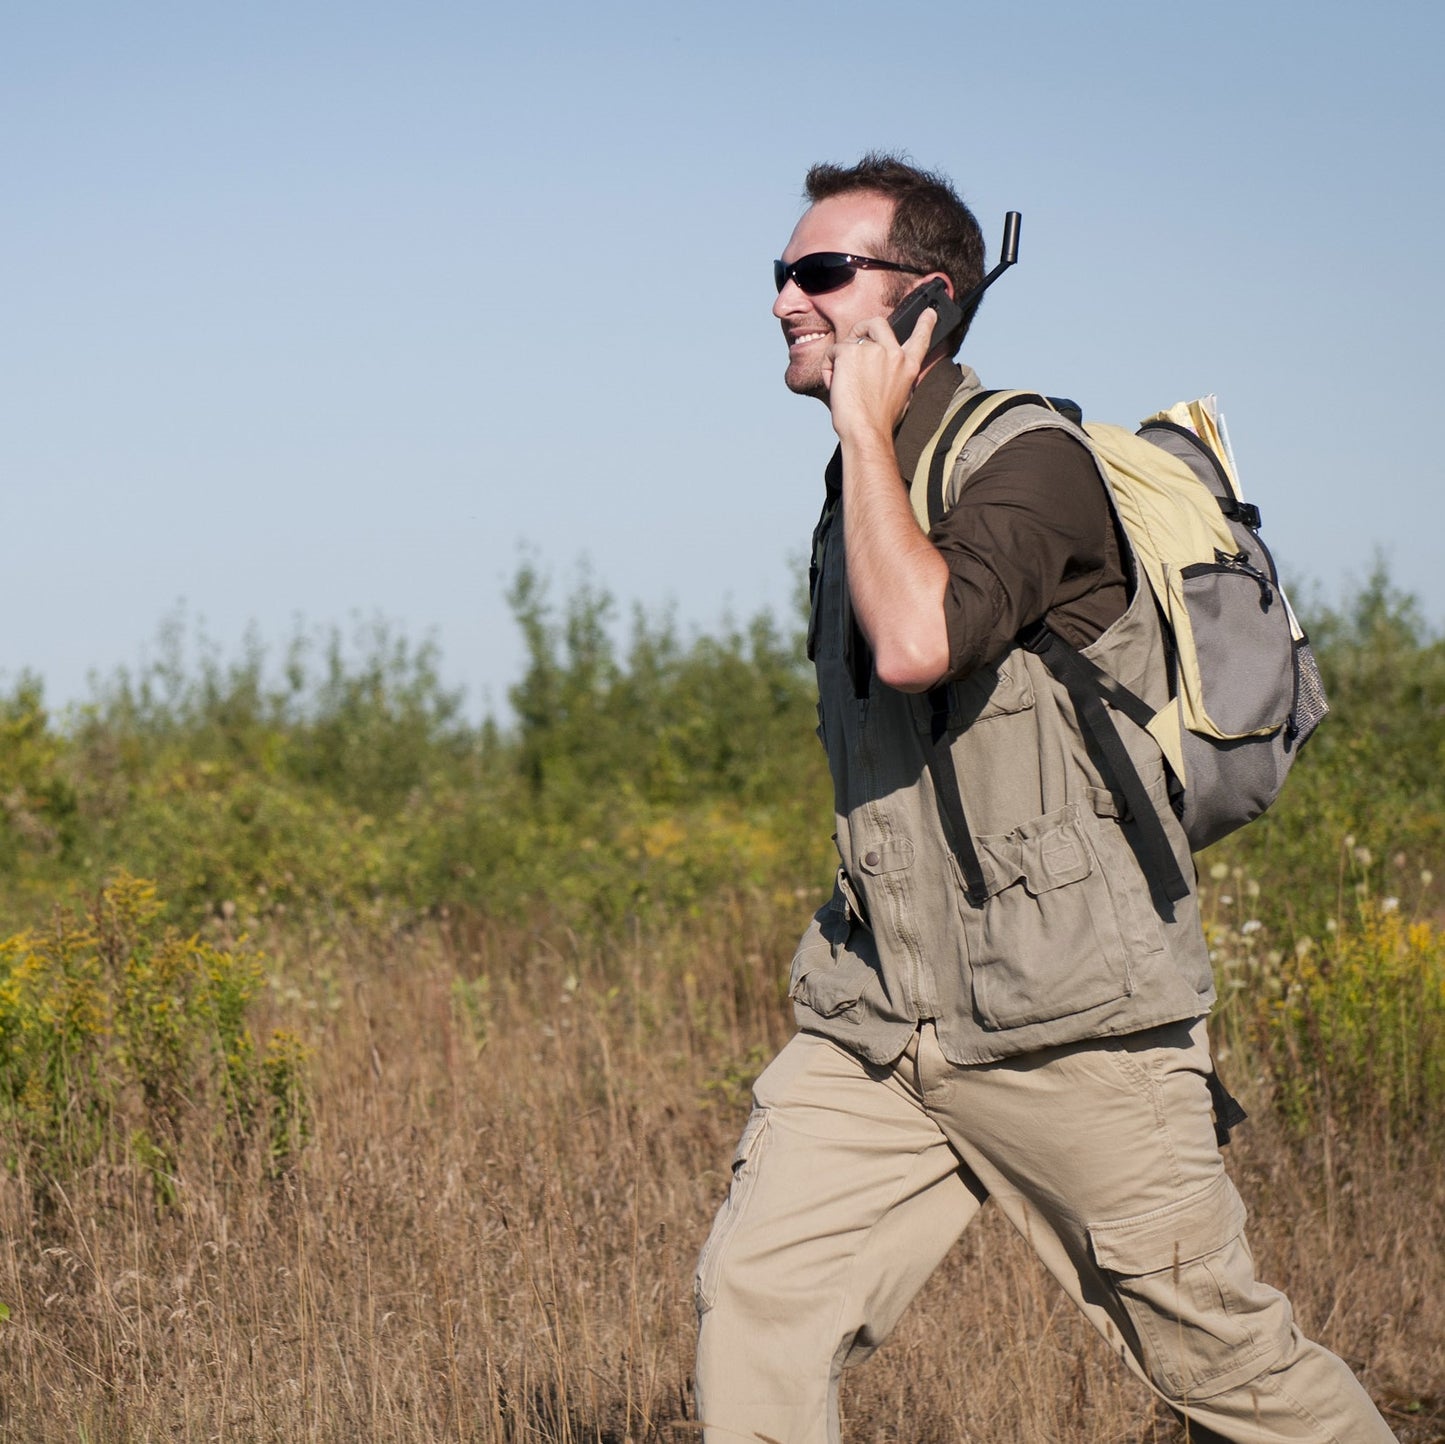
pixel 827 977
pixel 999 690
pixel 1046 943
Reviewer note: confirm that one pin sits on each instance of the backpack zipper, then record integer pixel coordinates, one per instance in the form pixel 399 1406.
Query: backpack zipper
pixel 1237 564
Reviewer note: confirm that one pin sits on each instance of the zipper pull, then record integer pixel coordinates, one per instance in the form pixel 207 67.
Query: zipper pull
pixel 1239 562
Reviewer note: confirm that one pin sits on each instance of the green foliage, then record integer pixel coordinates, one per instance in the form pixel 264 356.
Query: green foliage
pixel 55 1022
pixel 284 1080
pixel 1347 1023
pixel 653 783
pixel 1359 1034
pixel 114 1015
pixel 230 789
pixel 635 783
pixel 39 821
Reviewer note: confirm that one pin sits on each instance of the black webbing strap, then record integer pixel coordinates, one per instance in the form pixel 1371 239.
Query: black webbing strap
pixel 1228 1114
pixel 950 799
pixel 1088 685
pixel 1065 662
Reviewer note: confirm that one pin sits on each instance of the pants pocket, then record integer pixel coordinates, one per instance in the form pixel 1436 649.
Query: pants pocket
pixel 1185 1278
pixel 745 1171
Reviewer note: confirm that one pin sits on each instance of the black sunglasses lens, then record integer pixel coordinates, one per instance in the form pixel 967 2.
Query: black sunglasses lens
pixel 815 275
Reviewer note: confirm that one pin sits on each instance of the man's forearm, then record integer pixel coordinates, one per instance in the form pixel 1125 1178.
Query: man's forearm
pixel 896 576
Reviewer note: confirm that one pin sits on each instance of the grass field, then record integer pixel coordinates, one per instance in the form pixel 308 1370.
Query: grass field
pixel 516 1147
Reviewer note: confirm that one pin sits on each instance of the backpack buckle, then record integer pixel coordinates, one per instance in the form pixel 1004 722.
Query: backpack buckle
pixel 1036 638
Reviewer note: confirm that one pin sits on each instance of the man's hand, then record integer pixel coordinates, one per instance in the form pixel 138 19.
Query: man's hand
pixel 870 376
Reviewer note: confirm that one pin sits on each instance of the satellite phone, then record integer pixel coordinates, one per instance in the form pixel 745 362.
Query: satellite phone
pixel 951 313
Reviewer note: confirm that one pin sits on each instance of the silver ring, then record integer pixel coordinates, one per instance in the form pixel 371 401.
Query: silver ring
pixel 861 340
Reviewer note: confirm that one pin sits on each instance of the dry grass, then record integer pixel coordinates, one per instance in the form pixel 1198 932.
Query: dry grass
pixel 518 1146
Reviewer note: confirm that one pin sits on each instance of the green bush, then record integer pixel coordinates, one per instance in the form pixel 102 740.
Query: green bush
pixel 634 783
pixel 112 1018
pixel 1345 1024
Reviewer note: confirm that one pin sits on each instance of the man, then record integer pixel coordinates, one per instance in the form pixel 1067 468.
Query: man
pixel 1028 1028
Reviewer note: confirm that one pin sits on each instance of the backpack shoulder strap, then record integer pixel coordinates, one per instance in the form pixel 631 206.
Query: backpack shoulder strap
pixel 966 418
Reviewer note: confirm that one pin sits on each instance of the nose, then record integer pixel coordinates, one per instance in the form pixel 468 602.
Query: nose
pixel 790 300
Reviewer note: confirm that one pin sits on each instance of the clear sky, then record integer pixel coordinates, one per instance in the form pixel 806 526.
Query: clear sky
pixel 317 311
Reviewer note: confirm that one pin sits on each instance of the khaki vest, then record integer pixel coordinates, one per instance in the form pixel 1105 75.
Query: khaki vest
pixel 1068 944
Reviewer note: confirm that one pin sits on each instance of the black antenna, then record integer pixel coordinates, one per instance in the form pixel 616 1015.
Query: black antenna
pixel 1008 255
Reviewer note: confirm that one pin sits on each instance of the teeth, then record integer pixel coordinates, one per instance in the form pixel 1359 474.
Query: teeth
pixel 807 336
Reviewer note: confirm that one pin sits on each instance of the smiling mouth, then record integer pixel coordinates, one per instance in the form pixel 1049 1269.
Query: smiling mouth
pixel 805 338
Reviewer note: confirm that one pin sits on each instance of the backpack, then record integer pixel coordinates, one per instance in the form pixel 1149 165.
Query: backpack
pixel 1245 689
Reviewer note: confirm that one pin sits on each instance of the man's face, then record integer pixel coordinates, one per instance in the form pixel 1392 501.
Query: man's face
pixel 857 224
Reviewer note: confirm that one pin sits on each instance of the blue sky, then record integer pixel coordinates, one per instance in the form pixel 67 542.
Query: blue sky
pixel 316 312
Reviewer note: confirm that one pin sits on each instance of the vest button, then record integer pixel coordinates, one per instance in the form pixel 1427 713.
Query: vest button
pixel 871 859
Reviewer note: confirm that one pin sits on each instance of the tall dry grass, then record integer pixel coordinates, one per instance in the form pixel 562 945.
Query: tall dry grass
pixel 518 1142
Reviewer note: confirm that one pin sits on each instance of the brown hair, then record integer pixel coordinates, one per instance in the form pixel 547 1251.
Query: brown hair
pixel 931 227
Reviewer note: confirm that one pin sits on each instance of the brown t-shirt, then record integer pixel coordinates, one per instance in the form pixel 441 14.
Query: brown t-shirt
pixel 1031 535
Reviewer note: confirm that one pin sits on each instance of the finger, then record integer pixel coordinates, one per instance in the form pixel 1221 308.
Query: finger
pixel 918 344
pixel 861 333
pixel 876 329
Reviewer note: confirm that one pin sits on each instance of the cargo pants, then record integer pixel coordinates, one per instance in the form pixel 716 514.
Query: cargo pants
pixel 852 1181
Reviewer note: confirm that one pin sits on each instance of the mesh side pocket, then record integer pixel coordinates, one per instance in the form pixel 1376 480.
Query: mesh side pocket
pixel 1311 704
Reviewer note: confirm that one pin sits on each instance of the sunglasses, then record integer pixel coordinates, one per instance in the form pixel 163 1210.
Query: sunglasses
pixel 829 270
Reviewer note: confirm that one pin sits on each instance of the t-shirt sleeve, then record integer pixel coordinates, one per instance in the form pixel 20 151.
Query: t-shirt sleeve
pixel 1032 535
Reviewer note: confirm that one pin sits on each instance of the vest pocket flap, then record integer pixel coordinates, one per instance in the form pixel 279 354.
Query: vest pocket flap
pixel 827 985
pixel 1170 1236
pixel 998 690
pixel 890 854
pixel 1047 853
pixel 825 976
